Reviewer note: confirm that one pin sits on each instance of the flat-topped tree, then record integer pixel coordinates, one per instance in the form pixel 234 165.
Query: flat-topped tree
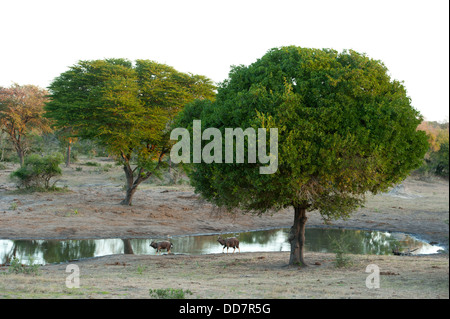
pixel 125 107
pixel 345 129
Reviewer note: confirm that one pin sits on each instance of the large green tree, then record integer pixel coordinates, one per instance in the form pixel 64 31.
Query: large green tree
pixel 127 107
pixel 345 129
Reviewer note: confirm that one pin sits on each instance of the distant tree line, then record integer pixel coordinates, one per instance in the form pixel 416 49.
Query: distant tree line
pixel 436 160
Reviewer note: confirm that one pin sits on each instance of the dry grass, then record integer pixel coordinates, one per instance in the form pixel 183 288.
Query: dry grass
pixel 246 275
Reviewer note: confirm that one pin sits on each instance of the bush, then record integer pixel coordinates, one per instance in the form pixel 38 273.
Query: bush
pixel 38 170
pixel 92 164
pixel 169 293
pixel 17 267
pixel 439 160
pixel 340 247
pixel 436 161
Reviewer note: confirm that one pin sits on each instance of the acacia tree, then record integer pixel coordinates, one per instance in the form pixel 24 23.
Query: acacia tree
pixel 21 114
pixel 125 107
pixel 345 129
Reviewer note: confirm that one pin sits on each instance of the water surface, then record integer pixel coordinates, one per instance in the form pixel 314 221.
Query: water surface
pixel 317 240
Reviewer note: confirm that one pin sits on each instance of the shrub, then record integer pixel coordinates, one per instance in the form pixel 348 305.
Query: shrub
pixel 169 293
pixel 104 168
pixel 38 170
pixel 340 247
pixel 439 161
pixel 436 161
pixel 92 164
pixel 17 267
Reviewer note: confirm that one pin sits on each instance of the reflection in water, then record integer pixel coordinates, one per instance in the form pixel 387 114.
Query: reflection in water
pixel 317 239
pixel 127 247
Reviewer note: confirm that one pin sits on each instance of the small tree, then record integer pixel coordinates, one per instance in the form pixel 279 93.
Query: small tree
pixel 125 107
pixel 37 171
pixel 345 129
pixel 21 110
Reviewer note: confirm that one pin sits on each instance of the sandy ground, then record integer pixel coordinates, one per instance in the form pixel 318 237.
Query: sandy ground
pixel 90 209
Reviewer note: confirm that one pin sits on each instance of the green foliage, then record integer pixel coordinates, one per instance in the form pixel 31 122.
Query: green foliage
pixel 38 170
pixel 120 105
pixel 345 129
pixel 141 269
pixel 340 247
pixel 436 161
pixel 169 293
pixel 439 161
pixel 92 164
pixel 17 267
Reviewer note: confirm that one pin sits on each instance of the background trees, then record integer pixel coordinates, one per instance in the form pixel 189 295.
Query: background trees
pixel 345 128
pixel 436 161
pixel 21 114
pixel 126 108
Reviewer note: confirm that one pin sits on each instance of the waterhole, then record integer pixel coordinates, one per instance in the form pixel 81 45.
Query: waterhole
pixel 317 240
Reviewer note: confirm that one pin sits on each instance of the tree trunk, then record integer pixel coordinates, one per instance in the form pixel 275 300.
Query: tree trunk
pixel 19 146
pixel 129 195
pixel 141 176
pixel 69 149
pixel 129 184
pixel 297 237
pixel 132 184
pixel 21 154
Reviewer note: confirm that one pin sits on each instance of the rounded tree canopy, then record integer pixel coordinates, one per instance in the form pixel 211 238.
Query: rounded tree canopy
pixel 345 128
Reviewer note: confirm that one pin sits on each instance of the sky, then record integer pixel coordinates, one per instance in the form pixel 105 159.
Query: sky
pixel 42 39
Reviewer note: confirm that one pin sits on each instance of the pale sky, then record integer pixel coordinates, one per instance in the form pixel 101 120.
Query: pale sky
pixel 40 39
